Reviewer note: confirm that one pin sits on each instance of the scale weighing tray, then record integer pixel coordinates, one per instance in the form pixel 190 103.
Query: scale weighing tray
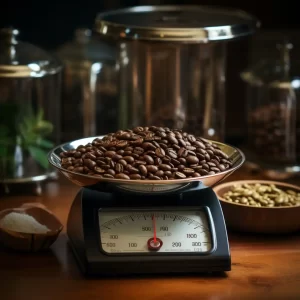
pixel 127 227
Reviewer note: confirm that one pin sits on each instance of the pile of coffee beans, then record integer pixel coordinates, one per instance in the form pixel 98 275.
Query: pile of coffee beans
pixel 262 195
pixel 155 153
pixel 273 133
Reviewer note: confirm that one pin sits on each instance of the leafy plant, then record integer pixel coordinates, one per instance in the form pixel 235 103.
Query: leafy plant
pixel 23 132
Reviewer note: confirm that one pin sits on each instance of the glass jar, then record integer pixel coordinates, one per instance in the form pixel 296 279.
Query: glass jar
pixel 172 64
pixel 29 109
pixel 89 92
pixel 273 113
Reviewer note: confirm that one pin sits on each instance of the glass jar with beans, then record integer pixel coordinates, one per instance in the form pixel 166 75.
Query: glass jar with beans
pixel 273 114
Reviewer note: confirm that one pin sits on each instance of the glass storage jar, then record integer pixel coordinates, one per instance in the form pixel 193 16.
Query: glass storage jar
pixel 29 109
pixel 172 64
pixel 273 112
pixel 89 90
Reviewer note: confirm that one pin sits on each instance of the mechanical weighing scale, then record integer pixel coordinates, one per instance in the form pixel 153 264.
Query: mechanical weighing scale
pixel 118 227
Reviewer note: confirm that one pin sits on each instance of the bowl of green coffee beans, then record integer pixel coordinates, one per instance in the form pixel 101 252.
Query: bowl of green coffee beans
pixel 260 206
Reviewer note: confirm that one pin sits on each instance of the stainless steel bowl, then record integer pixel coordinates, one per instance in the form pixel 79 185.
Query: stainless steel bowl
pixel 234 154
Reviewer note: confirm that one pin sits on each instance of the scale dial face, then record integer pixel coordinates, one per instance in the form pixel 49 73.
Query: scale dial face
pixel 157 231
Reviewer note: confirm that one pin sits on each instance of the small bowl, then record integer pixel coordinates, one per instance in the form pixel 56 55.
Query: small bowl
pixel 31 242
pixel 251 219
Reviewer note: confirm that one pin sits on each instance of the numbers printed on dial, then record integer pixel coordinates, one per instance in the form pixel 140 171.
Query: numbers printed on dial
pixel 131 232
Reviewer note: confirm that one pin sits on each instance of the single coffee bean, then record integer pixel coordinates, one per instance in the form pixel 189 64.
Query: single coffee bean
pixel 78 154
pixel 215 169
pixel 188 171
pixel 153 177
pixel 117 157
pixel 160 152
pixel 109 153
pixel 107 175
pixel 157 160
pixel 111 172
pixel 148 159
pixel 119 168
pixel 168 173
pixel 180 175
pixel 132 170
pixel 138 150
pixel 203 172
pixel 122 176
pixel 71 168
pixel 164 167
pixel 128 159
pixel 211 164
pixel 143 170
pixel 182 152
pixel 196 174
pixel 192 159
pixel 99 170
pixel 152 169
pixel 159 173
pixel 171 153
pixel 89 163
pixel 135 176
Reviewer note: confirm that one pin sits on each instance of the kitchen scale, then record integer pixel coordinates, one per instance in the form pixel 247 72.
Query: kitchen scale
pixel 127 227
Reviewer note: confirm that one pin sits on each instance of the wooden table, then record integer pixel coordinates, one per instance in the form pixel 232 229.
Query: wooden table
pixel 261 267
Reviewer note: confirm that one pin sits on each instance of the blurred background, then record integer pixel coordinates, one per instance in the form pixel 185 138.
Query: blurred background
pixel 76 104
pixel 49 24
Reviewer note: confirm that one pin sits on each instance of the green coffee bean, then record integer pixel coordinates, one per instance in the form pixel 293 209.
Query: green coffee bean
pixel 262 195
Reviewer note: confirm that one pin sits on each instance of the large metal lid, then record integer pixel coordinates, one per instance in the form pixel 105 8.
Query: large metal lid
pixel 19 59
pixel 176 23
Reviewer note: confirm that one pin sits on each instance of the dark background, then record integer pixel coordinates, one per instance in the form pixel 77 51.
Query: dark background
pixel 49 24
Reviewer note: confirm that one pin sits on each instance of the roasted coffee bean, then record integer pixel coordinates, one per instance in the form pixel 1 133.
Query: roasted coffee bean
pixel 180 175
pixel 122 176
pixel 171 153
pixel 135 176
pixel 168 173
pixel 192 159
pixel 143 170
pixel 111 172
pixel 188 171
pixel 159 173
pixel 152 169
pixel 128 159
pixel 117 157
pixel 138 150
pixel 89 163
pixel 148 159
pixel 160 152
pixel 119 168
pixel 147 152
pixel 203 172
pixel 157 161
pixel 99 170
pixel 165 167
pixel 132 170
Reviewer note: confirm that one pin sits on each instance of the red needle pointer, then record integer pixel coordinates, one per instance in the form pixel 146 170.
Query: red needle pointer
pixel 154 243
pixel 154 228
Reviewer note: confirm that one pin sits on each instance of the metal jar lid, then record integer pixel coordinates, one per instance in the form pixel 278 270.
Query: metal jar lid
pixel 20 60
pixel 176 23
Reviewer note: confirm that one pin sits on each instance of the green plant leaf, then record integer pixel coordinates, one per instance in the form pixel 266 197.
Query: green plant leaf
pixel 39 155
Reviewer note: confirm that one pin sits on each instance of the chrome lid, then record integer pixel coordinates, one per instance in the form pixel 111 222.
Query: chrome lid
pixel 186 23
pixel 19 59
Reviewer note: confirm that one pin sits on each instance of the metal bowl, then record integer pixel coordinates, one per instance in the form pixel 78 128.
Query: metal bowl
pixel 234 154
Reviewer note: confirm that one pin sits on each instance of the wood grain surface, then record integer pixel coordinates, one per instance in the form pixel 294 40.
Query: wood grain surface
pixel 262 267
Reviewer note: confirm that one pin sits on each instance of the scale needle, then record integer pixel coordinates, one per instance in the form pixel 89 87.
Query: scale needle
pixel 154 228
